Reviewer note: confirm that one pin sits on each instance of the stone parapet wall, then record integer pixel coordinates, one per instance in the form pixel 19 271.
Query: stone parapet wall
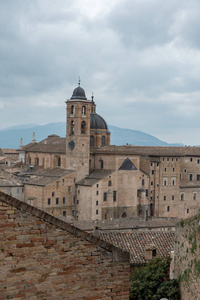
pixel 42 257
pixel 187 257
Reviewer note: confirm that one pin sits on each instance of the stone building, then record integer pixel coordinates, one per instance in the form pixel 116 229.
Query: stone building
pixel 52 190
pixel 118 181
pixel 43 257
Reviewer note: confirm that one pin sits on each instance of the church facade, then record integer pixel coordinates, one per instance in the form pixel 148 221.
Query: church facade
pixel 117 181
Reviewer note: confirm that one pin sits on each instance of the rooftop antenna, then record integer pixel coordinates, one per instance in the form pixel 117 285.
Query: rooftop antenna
pixel 79 81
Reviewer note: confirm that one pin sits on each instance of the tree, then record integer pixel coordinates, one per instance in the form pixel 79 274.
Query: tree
pixel 152 282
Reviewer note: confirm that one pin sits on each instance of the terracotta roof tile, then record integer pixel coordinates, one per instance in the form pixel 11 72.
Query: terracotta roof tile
pixel 137 242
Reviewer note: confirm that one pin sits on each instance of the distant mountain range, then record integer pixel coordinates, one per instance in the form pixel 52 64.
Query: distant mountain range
pixel 10 137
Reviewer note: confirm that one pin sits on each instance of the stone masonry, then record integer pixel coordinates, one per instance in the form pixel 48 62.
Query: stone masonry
pixel 187 257
pixel 42 257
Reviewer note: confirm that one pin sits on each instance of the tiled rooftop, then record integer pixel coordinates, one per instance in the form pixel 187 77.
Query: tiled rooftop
pixel 94 177
pixel 137 242
pixel 52 144
pixel 150 150
pixel 46 176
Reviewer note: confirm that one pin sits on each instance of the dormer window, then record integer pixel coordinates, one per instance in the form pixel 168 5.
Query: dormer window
pixel 150 252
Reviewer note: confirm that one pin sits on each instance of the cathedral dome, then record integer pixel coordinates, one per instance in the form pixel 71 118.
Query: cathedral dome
pixel 97 122
pixel 78 93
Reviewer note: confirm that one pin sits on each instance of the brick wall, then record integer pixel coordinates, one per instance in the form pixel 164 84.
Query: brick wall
pixel 42 257
pixel 187 257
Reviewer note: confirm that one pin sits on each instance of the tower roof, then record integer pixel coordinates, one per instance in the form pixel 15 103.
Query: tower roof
pixel 79 93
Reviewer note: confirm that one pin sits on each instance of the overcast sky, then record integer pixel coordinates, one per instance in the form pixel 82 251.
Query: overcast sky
pixel 141 58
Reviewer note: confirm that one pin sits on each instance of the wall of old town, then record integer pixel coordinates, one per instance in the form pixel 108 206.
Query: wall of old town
pixel 187 257
pixel 42 257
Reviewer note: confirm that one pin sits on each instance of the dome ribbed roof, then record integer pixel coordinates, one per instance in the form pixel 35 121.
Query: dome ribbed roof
pixel 79 93
pixel 97 122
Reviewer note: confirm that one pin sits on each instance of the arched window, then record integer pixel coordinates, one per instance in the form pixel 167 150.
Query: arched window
pixel 72 127
pixel 83 111
pixel 59 161
pixel 37 161
pixel 124 215
pixel 83 127
pixel 91 141
pixel 103 141
pixel 72 110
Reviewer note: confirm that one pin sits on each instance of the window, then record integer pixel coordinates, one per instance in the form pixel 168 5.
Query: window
pixel 17 190
pixel 152 172
pixel 157 164
pixel 104 196
pixel 172 197
pixel 182 197
pixel 194 196
pixel 142 182
pixel 165 169
pixel 173 182
pixel 172 159
pixel 52 194
pixel 185 171
pixel 69 189
pixel 57 200
pixel 72 110
pixel 147 193
pixel 64 213
pixel 151 198
pixel 59 161
pixel 97 192
pixel 190 177
pixel 124 215
pixel 83 111
pixel 83 127
pixel 29 161
pixel 103 141
pixel 198 161
pixel 49 201
pixel 151 182
pixel 97 212
pixel 109 183
pixel 97 185
pixel 152 164
pixel 198 177
pixel 97 203
pixel 72 127
pixel 168 159
pixel 114 196
pixel 164 198
pixel 37 161
pixel 101 164
pixel 188 210
pixel 77 202
pixel 191 159
pixel 74 200
pixel 173 169
pixel 22 190
pixel 63 200
pixel 163 159
pixel 165 182
pixel 91 141
pixel 176 159
pixel 168 208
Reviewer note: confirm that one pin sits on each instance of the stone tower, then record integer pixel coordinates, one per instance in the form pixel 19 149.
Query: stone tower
pixel 78 133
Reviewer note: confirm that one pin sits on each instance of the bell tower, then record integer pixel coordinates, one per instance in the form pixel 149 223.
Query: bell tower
pixel 78 133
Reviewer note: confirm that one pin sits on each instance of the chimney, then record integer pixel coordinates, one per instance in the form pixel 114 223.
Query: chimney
pixel 33 140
